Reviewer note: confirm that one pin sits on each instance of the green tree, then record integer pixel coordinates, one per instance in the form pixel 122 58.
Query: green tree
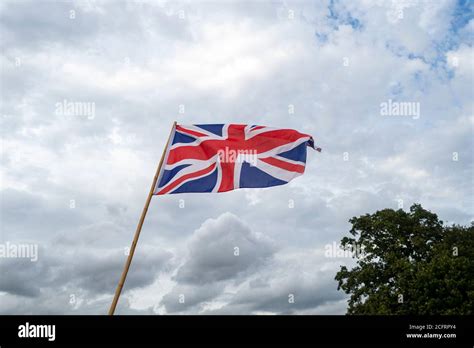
pixel 409 263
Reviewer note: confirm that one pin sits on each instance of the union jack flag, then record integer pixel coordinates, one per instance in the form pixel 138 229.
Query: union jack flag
pixel 225 157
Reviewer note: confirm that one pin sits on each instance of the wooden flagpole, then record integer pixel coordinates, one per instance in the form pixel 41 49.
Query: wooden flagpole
pixel 139 228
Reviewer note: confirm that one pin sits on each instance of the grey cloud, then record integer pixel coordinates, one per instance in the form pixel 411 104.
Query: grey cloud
pixel 67 302
pixel 210 269
pixel 22 211
pixel 100 274
pixel 308 291
pixel 21 276
pixel 61 272
pixel 212 263
pixel 30 24
pixel 212 251
pixel 188 298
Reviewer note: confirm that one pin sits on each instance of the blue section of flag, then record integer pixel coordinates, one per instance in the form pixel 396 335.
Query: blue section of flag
pixel 182 138
pixel 169 174
pixel 296 154
pixel 253 177
pixel 213 128
pixel 204 184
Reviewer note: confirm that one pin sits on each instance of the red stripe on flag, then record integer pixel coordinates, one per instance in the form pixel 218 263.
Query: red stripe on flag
pixel 188 131
pixel 283 164
pixel 188 152
pixel 227 177
pixel 266 141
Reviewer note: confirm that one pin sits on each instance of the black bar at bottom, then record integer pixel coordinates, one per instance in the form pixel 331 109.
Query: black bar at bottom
pixel 223 330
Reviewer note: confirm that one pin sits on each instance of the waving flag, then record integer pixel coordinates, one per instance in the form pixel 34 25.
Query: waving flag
pixel 225 157
pixel 220 158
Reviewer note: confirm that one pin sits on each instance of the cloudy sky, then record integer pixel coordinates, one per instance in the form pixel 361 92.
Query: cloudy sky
pixel 74 183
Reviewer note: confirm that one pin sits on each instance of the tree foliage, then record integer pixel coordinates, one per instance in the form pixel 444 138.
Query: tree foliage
pixel 409 264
